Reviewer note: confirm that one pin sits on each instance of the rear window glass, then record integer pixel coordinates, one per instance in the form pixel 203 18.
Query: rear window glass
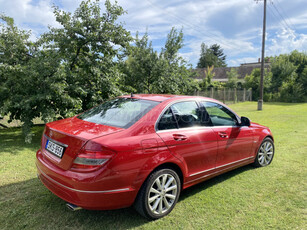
pixel 120 112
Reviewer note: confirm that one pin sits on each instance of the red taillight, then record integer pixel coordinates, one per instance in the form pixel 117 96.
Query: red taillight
pixel 91 157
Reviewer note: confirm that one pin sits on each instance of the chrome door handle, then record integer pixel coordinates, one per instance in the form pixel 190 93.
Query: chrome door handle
pixel 179 137
pixel 223 135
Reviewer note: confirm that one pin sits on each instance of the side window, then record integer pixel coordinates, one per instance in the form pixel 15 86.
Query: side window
pixel 167 121
pixel 183 115
pixel 187 114
pixel 219 115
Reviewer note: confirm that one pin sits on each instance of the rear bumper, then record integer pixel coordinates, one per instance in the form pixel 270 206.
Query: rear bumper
pixel 81 196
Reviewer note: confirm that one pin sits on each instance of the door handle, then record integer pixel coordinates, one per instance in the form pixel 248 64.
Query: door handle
pixel 179 137
pixel 223 134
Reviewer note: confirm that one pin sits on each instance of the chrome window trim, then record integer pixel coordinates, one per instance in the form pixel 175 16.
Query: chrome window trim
pixel 77 190
pixel 169 105
pixel 197 101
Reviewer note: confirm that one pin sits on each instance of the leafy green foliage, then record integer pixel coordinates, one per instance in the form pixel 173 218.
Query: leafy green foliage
pixel 30 86
pixel 82 63
pixel 211 56
pixel 291 91
pixel 88 43
pixel 140 66
pixel 148 71
pixel 207 81
pixel 252 81
pixel 67 70
pixel 282 70
pixel 232 76
pixel 285 81
pixel 289 79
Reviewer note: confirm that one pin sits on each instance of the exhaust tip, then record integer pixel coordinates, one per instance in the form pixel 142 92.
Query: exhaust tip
pixel 72 207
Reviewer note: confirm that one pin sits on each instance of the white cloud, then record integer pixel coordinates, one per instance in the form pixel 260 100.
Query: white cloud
pixel 27 12
pixel 286 41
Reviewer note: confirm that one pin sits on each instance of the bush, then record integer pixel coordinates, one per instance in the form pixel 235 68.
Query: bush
pixel 291 91
pixel 252 81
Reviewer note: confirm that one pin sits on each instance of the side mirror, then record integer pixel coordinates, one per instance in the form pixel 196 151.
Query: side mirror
pixel 245 121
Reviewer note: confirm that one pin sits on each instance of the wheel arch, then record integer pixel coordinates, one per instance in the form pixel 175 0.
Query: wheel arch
pixel 169 165
pixel 269 136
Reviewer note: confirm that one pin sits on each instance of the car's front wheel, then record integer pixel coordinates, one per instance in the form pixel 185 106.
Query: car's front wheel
pixel 159 194
pixel 265 153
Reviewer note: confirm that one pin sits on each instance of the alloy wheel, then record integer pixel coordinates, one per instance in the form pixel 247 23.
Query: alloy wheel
pixel 265 153
pixel 162 194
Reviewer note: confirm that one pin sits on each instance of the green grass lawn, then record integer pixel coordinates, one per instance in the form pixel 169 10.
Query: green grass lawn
pixel 272 197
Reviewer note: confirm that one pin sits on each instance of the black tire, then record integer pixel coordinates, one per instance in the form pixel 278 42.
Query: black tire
pixel 142 203
pixel 265 153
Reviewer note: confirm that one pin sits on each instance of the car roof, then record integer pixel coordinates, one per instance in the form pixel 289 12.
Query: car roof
pixel 163 97
pixel 151 97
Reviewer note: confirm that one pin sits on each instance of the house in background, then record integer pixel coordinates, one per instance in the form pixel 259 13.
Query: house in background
pixel 220 73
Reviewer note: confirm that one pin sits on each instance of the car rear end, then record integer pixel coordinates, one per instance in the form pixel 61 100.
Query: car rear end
pixel 79 170
pixel 75 173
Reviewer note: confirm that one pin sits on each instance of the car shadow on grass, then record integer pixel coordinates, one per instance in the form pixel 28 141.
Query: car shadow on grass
pixel 29 204
pixel 212 182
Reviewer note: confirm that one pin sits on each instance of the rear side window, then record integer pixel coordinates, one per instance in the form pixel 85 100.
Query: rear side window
pixel 186 114
pixel 219 115
pixel 183 115
pixel 120 112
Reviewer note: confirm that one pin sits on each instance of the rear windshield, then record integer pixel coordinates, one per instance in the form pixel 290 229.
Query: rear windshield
pixel 120 112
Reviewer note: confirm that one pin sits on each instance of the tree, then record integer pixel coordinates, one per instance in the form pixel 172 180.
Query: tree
pixel 289 77
pixel 303 80
pixel 282 70
pixel 209 74
pixel 67 70
pixel 89 43
pixel 166 72
pixel 252 81
pixel 174 72
pixel 29 84
pixel 140 65
pixel 291 91
pixel 211 56
pixel 219 53
pixel 232 76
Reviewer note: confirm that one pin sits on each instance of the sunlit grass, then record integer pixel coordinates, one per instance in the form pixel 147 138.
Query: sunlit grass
pixel 273 197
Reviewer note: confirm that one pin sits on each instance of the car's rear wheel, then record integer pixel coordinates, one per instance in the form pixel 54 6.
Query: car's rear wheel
pixel 265 153
pixel 159 194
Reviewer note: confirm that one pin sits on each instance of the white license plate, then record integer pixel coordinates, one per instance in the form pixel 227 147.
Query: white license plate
pixel 54 148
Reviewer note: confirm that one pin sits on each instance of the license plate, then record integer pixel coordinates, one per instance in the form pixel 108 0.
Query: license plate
pixel 54 148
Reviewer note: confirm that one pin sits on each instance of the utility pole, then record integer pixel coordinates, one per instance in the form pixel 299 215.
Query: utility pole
pixel 260 101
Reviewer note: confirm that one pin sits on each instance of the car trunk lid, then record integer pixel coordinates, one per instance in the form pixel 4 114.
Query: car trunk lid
pixel 71 134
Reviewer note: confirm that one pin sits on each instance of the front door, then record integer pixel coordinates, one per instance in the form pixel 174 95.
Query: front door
pixel 234 141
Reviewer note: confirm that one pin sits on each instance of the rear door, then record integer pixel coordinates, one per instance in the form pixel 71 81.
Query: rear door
pixel 184 130
pixel 234 142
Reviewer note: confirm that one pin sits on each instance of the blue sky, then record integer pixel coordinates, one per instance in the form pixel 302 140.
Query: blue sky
pixel 234 24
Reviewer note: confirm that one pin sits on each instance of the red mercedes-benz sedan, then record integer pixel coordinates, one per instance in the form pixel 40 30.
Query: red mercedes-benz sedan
pixel 144 149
